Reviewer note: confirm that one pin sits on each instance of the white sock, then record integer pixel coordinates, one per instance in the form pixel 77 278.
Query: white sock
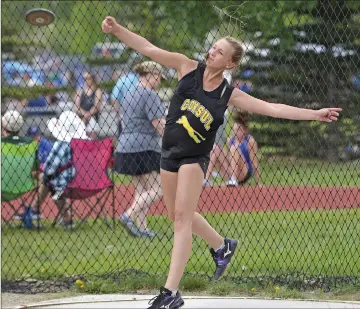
pixel 221 247
pixel 215 174
pixel 173 292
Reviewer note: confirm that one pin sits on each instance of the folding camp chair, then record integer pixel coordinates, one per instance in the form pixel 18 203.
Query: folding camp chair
pixel 91 159
pixel 18 157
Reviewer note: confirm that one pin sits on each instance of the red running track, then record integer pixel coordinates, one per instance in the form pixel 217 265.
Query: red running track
pixel 225 199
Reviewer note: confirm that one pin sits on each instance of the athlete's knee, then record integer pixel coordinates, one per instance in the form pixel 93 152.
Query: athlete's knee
pixel 182 219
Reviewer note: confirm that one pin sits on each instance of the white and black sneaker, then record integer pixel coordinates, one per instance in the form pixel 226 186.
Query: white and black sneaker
pixel 165 300
pixel 223 256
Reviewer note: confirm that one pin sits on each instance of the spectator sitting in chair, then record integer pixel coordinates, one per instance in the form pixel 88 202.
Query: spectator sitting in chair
pixel 58 170
pixel 240 163
pixel 45 145
pixel 218 156
pixel 88 104
pixel 27 80
pixel 244 163
pixel 12 122
pixel 4 133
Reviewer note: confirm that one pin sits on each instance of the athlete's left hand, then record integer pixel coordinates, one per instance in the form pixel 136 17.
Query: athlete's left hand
pixel 327 114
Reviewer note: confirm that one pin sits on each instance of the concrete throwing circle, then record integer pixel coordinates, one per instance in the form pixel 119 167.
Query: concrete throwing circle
pixel 141 301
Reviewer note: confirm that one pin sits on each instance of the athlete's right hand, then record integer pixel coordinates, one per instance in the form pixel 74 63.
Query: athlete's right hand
pixel 109 24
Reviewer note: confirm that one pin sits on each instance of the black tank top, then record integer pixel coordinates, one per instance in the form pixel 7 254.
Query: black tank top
pixel 194 116
pixel 87 102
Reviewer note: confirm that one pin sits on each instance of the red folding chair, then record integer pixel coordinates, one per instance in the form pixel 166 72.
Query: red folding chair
pixel 91 159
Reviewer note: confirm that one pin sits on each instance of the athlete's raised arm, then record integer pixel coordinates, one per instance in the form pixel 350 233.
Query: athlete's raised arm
pixel 168 59
pixel 242 100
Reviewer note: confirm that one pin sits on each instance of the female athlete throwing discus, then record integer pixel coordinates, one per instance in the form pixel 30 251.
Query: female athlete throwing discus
pixel 195 113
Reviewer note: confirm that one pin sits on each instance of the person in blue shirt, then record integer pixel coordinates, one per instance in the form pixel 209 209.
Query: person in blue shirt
pixel 244 163
pixel 355 80
pixel 37 102
pixel 124 84
pixel 58 169
pixel 45 145
pixel 240 162
pixel 218 157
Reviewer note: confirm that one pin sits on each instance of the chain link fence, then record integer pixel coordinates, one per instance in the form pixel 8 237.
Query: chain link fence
pixel 296 218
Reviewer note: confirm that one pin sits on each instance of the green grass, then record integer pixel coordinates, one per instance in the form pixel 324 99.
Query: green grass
pixel 120 179
pixel 189 286
pixel 281 171
pixel 315 243
pixel 284 171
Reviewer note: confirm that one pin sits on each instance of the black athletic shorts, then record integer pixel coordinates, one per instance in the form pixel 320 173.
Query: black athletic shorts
pixel 173 165
pixel 137 163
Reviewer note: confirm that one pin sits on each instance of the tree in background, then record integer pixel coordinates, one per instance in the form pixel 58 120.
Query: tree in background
pixel 303 53
pixel 286 74
pixel 77 29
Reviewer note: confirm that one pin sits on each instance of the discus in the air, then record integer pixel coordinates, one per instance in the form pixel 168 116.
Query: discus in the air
pixel 39 17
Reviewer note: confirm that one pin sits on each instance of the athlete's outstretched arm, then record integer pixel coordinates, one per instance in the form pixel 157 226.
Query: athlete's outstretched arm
pixel 242 100
pixel 168 59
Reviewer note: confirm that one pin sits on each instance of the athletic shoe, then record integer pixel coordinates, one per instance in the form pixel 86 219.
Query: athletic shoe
pixel 207 183
pixel 232 183
pixel 215 174
pixel 147 233
pixel 66 224
pixel 130 225
pixel 222 257
pixel 34 215
pixel 165 300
